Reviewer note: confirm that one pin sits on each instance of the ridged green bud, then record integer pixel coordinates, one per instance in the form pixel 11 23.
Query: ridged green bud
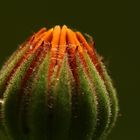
pixel 55 87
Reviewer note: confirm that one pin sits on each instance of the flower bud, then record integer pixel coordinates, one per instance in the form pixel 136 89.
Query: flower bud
pixel 55 87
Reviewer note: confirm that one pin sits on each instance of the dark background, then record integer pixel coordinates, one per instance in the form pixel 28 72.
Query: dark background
pixel 111 23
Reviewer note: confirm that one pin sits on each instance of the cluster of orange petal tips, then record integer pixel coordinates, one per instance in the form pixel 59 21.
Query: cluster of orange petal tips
pixel 55 87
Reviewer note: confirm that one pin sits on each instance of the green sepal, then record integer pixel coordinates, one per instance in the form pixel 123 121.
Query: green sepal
pixel 62 90
pixel 38 109
pixel 84 120
pixel 104 110
pixel 113 98
pixel 11 106
pixel 9 65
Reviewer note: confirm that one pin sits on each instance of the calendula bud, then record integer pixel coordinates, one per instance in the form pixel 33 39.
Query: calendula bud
pixel 55 87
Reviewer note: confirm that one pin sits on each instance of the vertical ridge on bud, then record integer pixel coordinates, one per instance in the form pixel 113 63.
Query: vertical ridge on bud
pixel 104 111
pixel 62 102
pixel 113 98
pixel 53 51
pixel 26 86
pixel 38 108
pixel 90 50
pixel 10 106
pixel 72 58
pixel 85 117
pixel 55 87
pixel 62 48
pixel 7 68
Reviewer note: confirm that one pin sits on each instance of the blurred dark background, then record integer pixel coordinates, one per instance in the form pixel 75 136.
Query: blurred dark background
pixel 112 25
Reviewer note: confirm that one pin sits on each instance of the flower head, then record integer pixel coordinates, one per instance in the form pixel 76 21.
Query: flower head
pixel 55 87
